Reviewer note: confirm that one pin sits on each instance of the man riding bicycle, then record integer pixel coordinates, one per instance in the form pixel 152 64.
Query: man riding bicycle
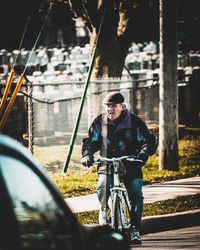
pixel 118 132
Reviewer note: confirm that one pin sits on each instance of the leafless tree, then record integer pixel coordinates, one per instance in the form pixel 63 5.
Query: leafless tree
pixel 124 21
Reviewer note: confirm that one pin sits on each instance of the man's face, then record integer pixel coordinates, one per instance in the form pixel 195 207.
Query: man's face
pixel 113 111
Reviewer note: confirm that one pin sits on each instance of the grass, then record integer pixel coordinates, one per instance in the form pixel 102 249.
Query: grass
pixel 84 182
pixel 80 180
pixel 76 184
pixel 52 158
pixel 180 204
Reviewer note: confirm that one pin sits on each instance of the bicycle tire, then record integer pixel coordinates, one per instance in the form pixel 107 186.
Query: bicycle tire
pixel 127 213
pixel 116 213
pixel 121 212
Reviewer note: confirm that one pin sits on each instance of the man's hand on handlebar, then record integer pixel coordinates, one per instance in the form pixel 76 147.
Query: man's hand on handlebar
pixel 143 157
pixel 87 160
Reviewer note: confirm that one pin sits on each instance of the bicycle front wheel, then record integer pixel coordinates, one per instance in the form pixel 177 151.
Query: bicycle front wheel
pixel 116 212
pixel 120 212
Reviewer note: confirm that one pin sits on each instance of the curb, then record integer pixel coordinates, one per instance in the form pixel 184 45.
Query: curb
pixel 153 224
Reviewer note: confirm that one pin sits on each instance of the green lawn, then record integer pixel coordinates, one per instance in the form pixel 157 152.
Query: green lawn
pixel 80 180
pixel 180 204
pixel 79 183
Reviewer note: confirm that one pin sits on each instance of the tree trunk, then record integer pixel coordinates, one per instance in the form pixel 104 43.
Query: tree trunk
pixel 123 23
pixel 168 110
pixel 111 55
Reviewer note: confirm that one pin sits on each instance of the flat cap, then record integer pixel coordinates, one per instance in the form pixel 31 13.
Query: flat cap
pixel 113 98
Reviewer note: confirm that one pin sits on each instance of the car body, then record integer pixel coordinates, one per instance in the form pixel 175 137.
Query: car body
pixel 33 213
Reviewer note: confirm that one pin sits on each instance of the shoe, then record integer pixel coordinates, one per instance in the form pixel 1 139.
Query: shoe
pixel 104 218
pixel 135 237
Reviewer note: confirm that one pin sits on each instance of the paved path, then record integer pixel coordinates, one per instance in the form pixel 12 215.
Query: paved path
pixel 152 193
pixel 184 238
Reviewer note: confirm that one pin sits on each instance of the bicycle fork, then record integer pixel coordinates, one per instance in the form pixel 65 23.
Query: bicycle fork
pixel 123 209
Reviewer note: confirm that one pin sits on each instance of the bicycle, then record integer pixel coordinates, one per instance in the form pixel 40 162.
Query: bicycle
pixel 120 205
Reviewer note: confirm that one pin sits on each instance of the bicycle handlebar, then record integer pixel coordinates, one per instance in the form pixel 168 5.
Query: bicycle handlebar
pixel 128 158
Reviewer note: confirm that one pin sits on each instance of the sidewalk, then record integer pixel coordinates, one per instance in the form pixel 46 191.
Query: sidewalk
pixel 152 193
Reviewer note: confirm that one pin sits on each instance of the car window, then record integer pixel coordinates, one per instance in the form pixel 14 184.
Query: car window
pixel 42 223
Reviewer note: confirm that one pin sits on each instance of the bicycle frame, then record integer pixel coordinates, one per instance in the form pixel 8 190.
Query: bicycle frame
pixel 120 205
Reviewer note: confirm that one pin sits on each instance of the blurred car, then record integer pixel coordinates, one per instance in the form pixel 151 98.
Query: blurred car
pixel 33 213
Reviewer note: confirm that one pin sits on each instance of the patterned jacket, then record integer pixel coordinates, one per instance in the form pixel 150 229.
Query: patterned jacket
pixel 128 136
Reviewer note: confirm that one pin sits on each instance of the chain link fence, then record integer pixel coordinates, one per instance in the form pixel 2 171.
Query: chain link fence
pixel 44 114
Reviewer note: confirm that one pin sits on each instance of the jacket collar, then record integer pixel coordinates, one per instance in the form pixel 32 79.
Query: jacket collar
pixel 124 123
